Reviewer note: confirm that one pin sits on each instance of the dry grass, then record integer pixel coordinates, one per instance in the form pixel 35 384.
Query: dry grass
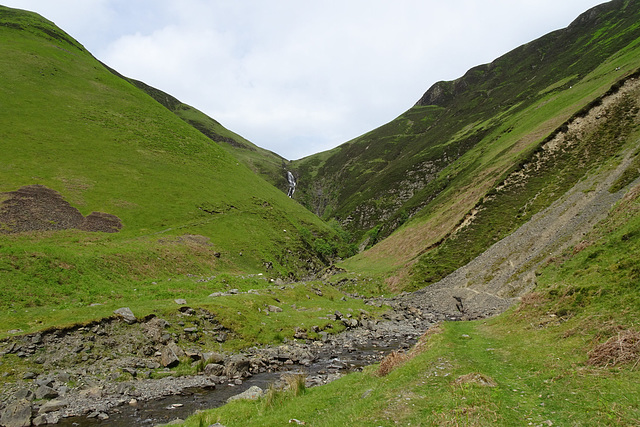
pixel 476 378
pixel 295 383
pixel 531 300
pixel 396 358
pixel 619 349
pixel 391 361
pixel 584 244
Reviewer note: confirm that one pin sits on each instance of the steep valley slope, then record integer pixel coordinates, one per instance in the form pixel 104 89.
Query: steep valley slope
pixel 116 194
pixel 402 189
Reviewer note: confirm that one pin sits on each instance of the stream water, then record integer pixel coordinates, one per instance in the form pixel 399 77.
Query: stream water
pixel 332 361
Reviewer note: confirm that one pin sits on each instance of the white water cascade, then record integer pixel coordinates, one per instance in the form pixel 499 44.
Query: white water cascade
pixel 292 184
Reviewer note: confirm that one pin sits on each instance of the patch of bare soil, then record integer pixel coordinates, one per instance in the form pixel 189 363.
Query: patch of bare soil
pixel 38 208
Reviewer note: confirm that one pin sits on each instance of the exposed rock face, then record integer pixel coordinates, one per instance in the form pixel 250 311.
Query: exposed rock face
pixel 38 208
pixel 17 414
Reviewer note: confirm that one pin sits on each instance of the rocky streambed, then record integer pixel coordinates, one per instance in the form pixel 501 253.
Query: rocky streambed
pixel 118 370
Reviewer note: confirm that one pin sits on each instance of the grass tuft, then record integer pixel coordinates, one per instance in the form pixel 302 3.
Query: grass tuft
pixel 390 362
pixel 295 383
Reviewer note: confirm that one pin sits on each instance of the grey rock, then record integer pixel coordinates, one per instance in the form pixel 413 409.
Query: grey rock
pixel 45 380
pixel 17 414
pixel 169 358
pixel 300 333
pixel 253 393
pixel 214 369
pixel 126 314
pixel 131 371
pixel 45 419
pixel 193 354
pixel 350 323
pixel 52 406
pixel 28 376
pixel 45 392
pixel 274 309
pixel 40 420
pixel 213 357
pixel 181 301
pixel 237 365
pixel 63 377
pixel 171 355
pixel 23 393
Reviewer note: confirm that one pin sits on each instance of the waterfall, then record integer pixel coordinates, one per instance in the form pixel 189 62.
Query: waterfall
pixel 292 184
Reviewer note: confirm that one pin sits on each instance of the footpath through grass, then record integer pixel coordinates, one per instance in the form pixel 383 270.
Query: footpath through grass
pixel 568 354
pixel 501 372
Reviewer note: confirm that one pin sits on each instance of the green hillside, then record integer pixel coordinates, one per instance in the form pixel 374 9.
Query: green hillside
pixel 185 205
pixel 566 355
pixel 265 163
pixel 429 168
pixel 115 194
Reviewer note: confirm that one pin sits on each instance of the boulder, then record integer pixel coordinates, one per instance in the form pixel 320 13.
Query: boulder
pixel 214 369
pixel 17 414
pixel 193 354
pixel 300 333
pixel 23 393
pixel 45 392
pixel 52 406
pixel 126 314
pixel 274 309
pixel 237 366
pixel 171 355
pixel 253 393
pixel 169 358
pixel 213 357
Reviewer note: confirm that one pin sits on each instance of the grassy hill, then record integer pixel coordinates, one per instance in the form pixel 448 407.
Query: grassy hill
pixel 186 206
pixel 265 163
pixel 115 194
pixel 423 173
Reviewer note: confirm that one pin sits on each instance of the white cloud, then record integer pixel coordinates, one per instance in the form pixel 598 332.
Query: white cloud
pixel 301 77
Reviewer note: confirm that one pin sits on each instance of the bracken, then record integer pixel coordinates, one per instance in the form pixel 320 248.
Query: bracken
pixel 617 350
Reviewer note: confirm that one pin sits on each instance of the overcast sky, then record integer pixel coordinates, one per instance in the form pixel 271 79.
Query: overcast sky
pixel 299 77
